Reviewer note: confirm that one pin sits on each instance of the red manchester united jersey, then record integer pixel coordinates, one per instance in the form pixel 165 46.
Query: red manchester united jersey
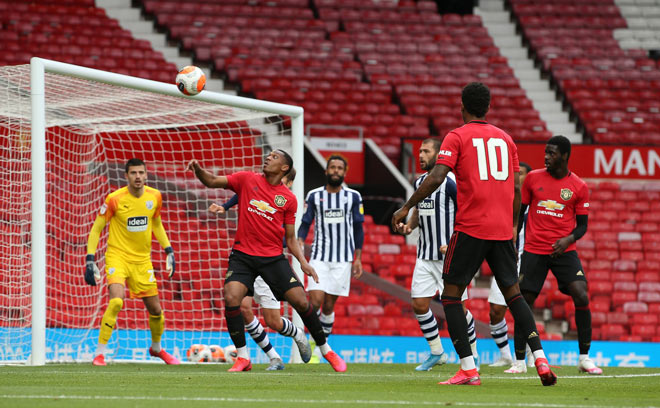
pixel 553 206
pixel 484 159
pixel 263 209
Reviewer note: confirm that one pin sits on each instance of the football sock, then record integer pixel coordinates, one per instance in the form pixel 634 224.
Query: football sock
pixel 288 328
pixel 242 352
pixel 583 357
pixel 583 323
pixel 538 354
pixel 499 333
pixel 429 327
pixel 313 324
pixel 457 325
pixel 472 335
pixel 467 363
pixel 325 348
pixel 157 326
pixel 109 319
pixel 519 343
pixel 523 316
pixel 100 349
pixel 235 325
pixel 326 322
pixel 260 337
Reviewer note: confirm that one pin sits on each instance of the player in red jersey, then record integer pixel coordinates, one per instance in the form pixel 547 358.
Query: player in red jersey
pixel 266 213
pixel 485 162
pixel 558 203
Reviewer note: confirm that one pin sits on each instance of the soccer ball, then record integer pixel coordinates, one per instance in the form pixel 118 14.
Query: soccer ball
pixel 198 353
pixel 230 353
pixel 217 354
pixel 190 80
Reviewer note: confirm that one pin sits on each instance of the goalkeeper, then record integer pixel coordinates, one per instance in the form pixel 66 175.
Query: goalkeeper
pixel 133 212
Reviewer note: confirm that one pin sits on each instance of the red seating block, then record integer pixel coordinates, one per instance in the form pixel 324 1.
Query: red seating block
pixel 612 331
pixel 635 307
pixel 619 298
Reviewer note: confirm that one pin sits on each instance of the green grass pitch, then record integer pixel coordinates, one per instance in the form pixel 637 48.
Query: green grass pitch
pixel 312 386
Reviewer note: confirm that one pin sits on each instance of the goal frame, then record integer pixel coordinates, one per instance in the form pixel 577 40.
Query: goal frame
pixel 38 69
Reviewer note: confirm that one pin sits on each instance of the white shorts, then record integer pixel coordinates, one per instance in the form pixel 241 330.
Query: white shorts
pixel 334 277
pixel 263 296
pixel 495 295
pixel 427 279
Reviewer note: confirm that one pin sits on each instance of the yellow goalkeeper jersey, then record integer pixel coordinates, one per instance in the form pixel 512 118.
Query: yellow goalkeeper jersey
pixel 131 223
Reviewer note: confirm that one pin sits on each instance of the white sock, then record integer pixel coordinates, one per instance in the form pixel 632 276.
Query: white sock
pixel 327 321
pixel 429 327
pixel 539 354
pixel 325 349
pixel 467 363
pixel 242 352
pixel 155 346
pixel 101 348
pixel 583 357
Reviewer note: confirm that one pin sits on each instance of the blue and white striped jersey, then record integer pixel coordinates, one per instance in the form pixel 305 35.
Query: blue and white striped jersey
pixel 334 215
pixel 436 213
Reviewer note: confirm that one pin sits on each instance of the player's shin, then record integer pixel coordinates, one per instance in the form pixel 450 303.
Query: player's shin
pixel 313 324
pixel 109 319
pixel 583 323
pixel 157 326
pixel 524 320
pixel 457 326
pixel 519 342
pixel 236 328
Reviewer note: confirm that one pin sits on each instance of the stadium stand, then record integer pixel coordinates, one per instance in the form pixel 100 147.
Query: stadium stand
pixel 613 90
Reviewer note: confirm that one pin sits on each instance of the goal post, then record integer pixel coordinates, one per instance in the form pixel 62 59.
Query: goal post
pixel 83 124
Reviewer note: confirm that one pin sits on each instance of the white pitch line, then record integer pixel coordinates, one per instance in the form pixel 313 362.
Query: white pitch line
pixel 575 377
pixel 307 401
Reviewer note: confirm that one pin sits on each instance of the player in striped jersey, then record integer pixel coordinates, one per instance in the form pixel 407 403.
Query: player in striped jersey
pixel 270 306
pixel 435 218
pixel 338 215
pixel 133 213
pixel 498 327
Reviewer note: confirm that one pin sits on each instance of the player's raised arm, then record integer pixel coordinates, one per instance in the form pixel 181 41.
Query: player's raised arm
pixel 429 185
pixel 293 247
pixel 208 179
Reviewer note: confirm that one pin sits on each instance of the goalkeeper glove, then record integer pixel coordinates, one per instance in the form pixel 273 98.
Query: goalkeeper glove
pixel 92 273
pixel 170 264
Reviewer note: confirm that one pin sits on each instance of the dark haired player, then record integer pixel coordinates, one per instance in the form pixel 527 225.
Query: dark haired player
pixel 558 203
pixel 267 212
pixel 485 162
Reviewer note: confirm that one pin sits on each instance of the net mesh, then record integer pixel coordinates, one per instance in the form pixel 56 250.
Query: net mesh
pixel 92 129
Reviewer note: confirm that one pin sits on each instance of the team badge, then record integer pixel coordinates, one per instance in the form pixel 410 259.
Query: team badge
pixel 111 271
pixel 150 204
pixel 103 209
pixel 361 209
pixel 229 273
pixel 565 194
pixel 280 201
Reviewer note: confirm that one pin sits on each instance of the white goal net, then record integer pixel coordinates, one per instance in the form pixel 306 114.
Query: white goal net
pixel 91 130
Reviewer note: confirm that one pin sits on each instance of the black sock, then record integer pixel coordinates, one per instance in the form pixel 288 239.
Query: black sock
pixel 457 325
pixel 235 325
pixel 583 323
pixel 524 319
pixel 519 342
pixel 313 324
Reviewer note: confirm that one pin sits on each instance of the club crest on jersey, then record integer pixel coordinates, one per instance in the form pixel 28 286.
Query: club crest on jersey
pixel 150 204
pixel 280 201
pixel 565 194
pixel 103 209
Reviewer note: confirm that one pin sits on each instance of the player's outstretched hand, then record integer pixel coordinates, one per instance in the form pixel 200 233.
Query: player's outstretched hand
pixel 399 217
pixel 217 209
pixel 309 271
pixel 92 273
pixel 193 165
pixel 170 263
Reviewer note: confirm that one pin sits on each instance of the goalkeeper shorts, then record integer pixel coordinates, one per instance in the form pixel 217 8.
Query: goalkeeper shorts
pixel 139 277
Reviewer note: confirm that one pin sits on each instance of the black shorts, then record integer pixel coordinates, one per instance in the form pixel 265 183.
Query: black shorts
pixel 465 254
pixel 275 271
pixel 567 268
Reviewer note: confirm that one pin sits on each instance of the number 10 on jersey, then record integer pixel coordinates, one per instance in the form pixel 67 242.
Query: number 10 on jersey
pixel 495 148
